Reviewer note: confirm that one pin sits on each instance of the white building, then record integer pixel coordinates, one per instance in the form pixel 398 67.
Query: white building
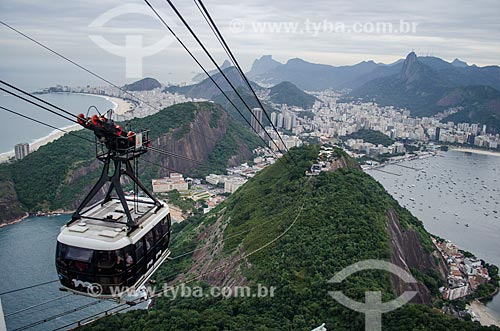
pixel 21 150
pixel 455 293
pixel 289 142
pixel 273 118
pixel 288 122
pixel 167 184
pixel 256 119
pixel 279 123
pixel 233 183
pixel 214 179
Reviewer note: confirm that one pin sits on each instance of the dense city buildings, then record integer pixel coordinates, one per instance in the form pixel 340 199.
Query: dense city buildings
pixel 144 102
pixel 329 120
pixel 465 274
pixel 332 118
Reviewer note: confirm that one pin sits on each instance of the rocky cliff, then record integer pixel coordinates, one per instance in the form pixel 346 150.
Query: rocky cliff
pixel 10 207
pixel 408 252
pixel 195 140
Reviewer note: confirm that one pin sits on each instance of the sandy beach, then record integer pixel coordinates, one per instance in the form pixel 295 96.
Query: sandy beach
pixel 120 106
pixel 475 151
pixel 483 314
pixel 54 135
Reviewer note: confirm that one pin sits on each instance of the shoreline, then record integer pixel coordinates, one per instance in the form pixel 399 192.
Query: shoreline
pixel 28 215
pixel 35 144
pixel 475 151
pixel 15 221
pixel 483 314
pixel 120 106
pixel 456 149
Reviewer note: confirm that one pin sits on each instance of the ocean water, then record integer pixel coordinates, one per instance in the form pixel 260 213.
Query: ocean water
pixel 457 197
pixel 15 129
pixel 27 257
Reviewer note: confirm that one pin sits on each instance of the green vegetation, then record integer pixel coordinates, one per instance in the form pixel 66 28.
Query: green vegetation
pixel 44 180
pixel 170 118
pixel 10 207
pixel 174 198
pixel 371 136
pixel 287 93
pixel 338 218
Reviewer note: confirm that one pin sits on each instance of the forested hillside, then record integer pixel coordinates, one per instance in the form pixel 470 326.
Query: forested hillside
pixel 292 232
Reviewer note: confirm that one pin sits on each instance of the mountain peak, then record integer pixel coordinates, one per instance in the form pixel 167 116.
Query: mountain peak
pixel 459 63
pixel 266 57
pixel 287 93
pixel 201 76
pixel 262 65
pixel 412 56
pixel 295 60
pixel 408 65
pixel 369 63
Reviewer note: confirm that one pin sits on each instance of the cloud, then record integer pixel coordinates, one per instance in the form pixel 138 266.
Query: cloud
pixel 448 28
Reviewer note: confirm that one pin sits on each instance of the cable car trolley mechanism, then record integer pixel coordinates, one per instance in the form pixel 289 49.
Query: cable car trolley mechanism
pixel 111 248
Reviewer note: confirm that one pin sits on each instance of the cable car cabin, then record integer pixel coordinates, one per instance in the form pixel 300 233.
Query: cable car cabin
pixel 96 256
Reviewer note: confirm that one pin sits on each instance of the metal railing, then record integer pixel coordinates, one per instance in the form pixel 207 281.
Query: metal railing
pixel 127 147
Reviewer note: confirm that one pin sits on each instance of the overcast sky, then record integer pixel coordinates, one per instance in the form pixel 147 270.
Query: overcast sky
pixel 469 30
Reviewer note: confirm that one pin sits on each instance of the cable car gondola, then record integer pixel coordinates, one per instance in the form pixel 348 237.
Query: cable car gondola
pixel 112 248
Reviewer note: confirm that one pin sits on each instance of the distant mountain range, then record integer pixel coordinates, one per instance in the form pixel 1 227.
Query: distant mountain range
pixel 311 76
pixel 282 93
pixel 201 76
pixel 429 85
pixel 424 85
pixel 206 89
pixel 308 76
